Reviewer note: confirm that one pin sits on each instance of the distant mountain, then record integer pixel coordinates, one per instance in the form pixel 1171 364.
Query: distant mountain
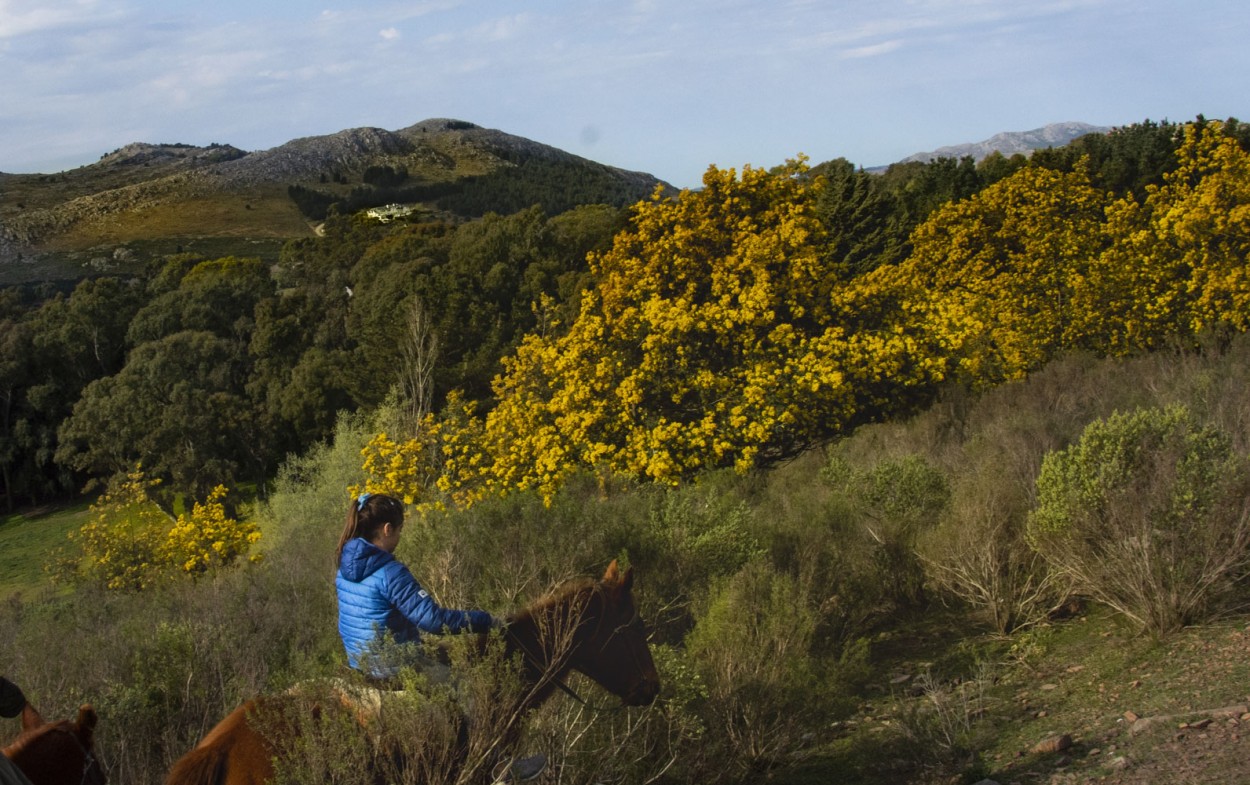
pixel 149 199
pixel 1010 143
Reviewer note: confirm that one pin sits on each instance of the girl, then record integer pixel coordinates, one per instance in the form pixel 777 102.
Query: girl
pixel 378 597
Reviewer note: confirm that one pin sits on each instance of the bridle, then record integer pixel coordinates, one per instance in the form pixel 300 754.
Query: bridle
pixel 88 757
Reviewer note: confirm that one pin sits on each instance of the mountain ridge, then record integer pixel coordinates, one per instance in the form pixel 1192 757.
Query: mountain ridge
pixel 170 197
pixel 1010 143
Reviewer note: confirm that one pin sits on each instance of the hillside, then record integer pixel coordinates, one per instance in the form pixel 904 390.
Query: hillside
pixel 882 497
pixel 145 200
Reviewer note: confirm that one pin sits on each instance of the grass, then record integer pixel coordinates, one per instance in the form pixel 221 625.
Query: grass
pixel 27 541
pixel 266 213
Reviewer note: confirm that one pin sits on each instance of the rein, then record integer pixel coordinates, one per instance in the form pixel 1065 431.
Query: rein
pixel 559 681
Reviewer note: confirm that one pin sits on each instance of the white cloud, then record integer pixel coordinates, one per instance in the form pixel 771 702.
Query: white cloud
pixel 503 28
pixel 24 17
pixel 873 50
pixel 389 34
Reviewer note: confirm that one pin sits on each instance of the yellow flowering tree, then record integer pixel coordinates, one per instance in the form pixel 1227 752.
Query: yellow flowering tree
pixel 1176 262
pixel 208 539
pixel 717 336
pixel 442 461
pixel 397 468
pixel 706 343
pixel 992 277
pixel 117 547
pixel 721 333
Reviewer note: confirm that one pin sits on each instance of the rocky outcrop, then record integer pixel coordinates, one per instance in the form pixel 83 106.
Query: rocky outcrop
pixel 175 156
pixel 309 157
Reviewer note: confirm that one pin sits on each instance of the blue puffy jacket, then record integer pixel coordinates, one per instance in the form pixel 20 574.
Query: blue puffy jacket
pixel 377 594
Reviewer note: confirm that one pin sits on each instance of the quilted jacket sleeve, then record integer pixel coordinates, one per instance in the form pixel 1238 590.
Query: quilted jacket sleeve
pixel 418 607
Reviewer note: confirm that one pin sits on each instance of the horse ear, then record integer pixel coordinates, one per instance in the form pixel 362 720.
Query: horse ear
pixel 615 577
pixel 87 719
pixel 31 718
pixel 612 574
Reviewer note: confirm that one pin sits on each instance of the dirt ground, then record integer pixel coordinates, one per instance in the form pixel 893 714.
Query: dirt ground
pixel 1193 728
pixel 1218 753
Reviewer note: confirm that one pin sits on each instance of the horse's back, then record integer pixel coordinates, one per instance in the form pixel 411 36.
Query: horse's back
pixel 232 753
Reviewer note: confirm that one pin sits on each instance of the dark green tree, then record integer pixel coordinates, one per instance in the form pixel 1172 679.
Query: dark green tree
pixel 1126 160
pixel 16 352
pixel 178 407
pixel 218 296
pixel 858 215
pixel 63 343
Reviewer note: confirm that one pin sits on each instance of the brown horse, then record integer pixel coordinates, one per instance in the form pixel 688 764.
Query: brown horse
pixel 57 753
pixel 591 626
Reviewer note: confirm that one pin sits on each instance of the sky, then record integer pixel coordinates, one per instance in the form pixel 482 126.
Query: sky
pixel 664 87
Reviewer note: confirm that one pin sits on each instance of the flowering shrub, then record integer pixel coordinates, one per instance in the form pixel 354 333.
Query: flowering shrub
pixel 130 543
pixel 719 334
pixel 207 539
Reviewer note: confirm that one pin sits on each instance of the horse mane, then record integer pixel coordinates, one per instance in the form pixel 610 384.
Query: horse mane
pixel 29 737
pixel 200 766
pixel 561 595
pixel 19 744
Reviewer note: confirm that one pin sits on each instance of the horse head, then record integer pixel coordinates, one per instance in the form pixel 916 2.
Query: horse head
pixel 57 753
pixel 616 654
pixel 592 627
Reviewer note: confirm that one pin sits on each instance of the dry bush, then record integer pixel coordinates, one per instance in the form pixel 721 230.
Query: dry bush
pixel 978 552
pixel 596 740
pixel 940 726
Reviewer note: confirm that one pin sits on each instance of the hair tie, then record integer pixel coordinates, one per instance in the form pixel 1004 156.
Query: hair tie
pixel 360 502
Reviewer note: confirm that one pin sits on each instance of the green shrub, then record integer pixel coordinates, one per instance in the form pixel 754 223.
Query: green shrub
pixel 766 685
pixel 310 492
pixel 894 500
pixel 1149 512
pixel 704 534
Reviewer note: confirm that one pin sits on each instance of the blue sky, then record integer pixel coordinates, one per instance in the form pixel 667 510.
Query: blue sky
pixel 667 87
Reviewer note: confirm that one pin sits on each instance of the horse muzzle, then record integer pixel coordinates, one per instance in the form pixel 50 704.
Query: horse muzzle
pixel 644 693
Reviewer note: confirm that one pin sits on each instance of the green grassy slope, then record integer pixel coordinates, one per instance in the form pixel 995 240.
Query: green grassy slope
pixel 27 541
